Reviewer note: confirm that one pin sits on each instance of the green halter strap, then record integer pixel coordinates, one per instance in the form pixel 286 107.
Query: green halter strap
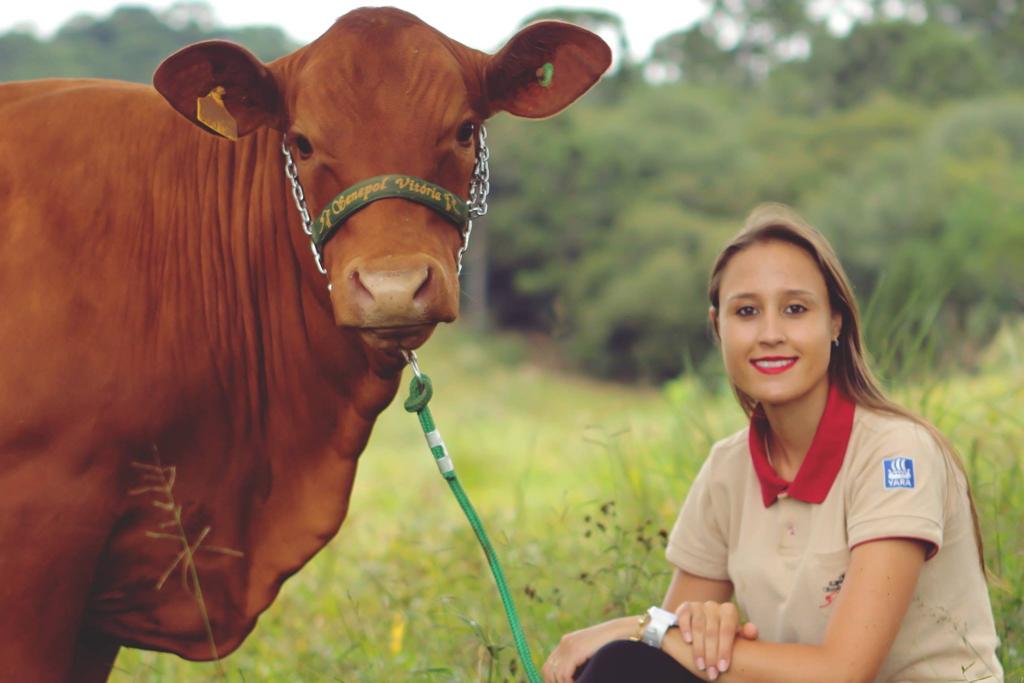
pixel 446 203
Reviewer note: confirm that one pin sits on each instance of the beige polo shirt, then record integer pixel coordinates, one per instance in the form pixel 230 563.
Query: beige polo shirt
pixel 786 545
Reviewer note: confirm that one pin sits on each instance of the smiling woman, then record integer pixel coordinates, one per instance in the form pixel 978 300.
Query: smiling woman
pixel 838 523
pixel 776 327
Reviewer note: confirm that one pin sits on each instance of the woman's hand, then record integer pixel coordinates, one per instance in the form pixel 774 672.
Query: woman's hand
pixel 711 628
pixel 577 647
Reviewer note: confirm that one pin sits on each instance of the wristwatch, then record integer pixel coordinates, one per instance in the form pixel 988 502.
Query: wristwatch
pixel 653 626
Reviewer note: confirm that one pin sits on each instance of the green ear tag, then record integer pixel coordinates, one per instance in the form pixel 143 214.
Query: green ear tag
pixel 545 74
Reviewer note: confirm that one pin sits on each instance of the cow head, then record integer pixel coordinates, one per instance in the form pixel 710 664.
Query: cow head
pixel 383 93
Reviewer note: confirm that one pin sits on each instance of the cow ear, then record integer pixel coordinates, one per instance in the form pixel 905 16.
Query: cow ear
pixel 221 87
pixel 544 68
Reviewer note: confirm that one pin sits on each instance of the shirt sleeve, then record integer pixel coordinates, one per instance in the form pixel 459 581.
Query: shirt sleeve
pixel 698 543
pixel 899 488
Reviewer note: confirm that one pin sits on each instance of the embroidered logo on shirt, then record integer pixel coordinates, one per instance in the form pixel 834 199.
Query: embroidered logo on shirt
pixel 899 473
pixel 832 590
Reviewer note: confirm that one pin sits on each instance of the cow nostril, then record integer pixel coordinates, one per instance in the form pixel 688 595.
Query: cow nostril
pixel 425 285
pixel 358 286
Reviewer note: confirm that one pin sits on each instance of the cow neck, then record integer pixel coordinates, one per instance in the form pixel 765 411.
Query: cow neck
pixel 264 440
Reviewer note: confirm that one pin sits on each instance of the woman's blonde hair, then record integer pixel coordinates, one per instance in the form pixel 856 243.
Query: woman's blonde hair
pixel 848 368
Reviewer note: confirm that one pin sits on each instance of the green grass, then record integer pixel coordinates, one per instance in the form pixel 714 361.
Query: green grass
pixel 576 482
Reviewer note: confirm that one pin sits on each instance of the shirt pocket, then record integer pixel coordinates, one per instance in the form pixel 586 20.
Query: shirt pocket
pixel 816 589
pixel 827 572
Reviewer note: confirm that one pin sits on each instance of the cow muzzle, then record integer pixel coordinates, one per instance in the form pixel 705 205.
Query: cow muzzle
pixel 391 292
pixel 395 300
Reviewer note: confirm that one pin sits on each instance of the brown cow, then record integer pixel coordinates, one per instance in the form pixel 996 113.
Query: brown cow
pixel 168 341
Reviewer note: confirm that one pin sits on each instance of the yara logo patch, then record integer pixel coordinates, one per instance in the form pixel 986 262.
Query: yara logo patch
pixel 899 473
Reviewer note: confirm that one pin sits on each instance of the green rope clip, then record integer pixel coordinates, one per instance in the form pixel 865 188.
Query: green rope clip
pixel 545 74
pixel 420 392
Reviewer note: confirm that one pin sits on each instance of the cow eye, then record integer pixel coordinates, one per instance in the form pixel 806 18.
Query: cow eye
pixel 465 134
pixel 303 145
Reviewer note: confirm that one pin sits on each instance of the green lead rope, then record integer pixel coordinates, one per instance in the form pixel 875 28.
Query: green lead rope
pixel 420 392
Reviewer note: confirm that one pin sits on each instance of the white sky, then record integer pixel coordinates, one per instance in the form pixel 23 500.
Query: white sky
pixel 481 24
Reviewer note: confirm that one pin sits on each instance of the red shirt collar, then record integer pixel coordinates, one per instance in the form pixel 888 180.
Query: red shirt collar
pixel 821 465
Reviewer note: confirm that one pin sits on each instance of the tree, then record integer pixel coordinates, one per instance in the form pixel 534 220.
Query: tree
pixel 128 44
pixel 762 33
pixel 693 55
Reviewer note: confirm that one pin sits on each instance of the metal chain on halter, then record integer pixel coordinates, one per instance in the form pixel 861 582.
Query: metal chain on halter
pixel 479 188
pixel 292 171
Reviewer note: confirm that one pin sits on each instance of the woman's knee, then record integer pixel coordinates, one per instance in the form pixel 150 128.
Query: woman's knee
pixel 628 660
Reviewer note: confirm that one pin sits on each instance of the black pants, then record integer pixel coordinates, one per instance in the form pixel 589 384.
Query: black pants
pixel 628 661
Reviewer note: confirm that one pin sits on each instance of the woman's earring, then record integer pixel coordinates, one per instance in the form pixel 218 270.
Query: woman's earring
pixel 835 342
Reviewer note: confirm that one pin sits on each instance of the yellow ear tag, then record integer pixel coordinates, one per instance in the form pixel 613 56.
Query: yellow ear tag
pixel 212 113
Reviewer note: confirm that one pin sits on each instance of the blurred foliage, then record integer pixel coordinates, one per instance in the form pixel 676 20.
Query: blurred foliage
pixel 128 45
pixel 901 137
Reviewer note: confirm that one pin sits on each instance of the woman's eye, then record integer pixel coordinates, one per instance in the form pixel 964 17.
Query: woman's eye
pixel 796 308
pixel 303 145
pixel 465 133
pixel 745 311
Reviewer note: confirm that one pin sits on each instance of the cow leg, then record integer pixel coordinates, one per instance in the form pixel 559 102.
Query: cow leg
pixel 56 513
pixel 94 658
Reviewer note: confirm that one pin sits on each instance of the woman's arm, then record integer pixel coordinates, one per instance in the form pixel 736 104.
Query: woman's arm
pixel 686 587
pixel 577 647
pixel 876 593
pixel 709 623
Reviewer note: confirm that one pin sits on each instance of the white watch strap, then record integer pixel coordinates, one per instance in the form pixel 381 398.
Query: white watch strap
pixel 658 623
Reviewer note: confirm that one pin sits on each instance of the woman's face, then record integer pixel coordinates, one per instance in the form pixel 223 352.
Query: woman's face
pixel 775 323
